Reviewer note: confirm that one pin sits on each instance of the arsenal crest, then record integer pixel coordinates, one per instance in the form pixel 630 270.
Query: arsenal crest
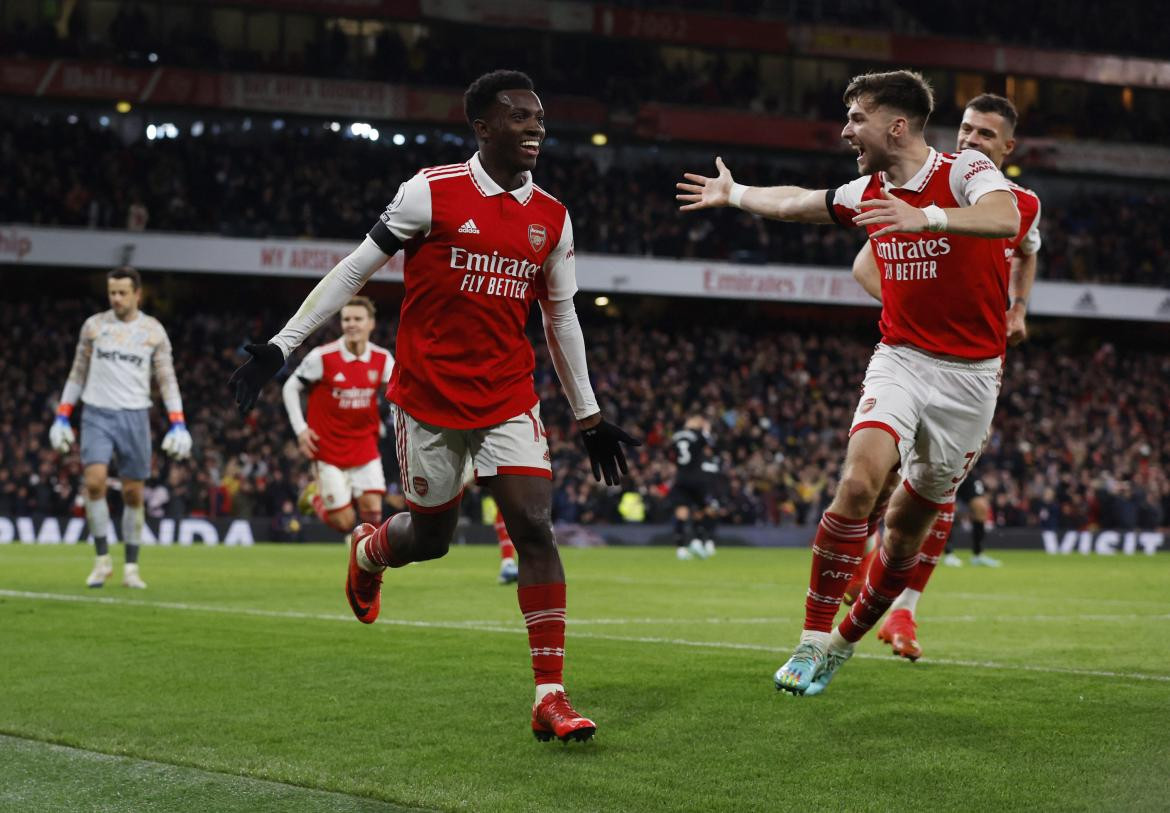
pixel 373 374
pixel 537 236
pixel 421 486
pixel 867 405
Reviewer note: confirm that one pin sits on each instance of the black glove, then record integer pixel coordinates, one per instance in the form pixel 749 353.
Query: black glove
pixel 253 374
pixel 603 443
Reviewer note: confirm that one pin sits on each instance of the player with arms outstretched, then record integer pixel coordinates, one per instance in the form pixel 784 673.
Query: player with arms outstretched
pixel 341 433
pixel 937 223
pixel 482 242
pixel 988 126
pixel 116 353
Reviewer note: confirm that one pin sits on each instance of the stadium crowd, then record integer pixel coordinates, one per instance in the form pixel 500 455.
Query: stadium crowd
pixel 437 53
pixel 1080 440
pixel 315 183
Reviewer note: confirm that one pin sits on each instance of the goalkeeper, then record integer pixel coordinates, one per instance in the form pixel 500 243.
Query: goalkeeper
pixel 117 350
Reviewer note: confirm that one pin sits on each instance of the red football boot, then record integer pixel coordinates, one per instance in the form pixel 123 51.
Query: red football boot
pixel 853 590
pixel 554 716
pixel 363 589
pixel 900 631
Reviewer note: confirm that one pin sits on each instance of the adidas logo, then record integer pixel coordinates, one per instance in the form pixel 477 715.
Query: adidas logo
pixel 469 227
pixel 1087 303
pixel 1164 308
pixel 339 378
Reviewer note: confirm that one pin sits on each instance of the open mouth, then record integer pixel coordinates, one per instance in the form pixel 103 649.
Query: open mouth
pixel 860 152
pixel 531 146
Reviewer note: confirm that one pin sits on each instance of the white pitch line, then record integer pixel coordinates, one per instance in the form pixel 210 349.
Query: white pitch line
pixel 475 626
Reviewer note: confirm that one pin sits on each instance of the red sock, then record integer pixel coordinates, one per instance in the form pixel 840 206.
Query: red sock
pixel 543 606
pixel 507 549
pixel 858 580
pixel 837 551
pixel 886 580
pixel 379 548
pixel 932 548
pixel 319 508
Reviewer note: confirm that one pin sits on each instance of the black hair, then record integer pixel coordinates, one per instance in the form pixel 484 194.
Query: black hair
pixel 904 91
pixel 991 103
pixel 481 94
pixel 126 272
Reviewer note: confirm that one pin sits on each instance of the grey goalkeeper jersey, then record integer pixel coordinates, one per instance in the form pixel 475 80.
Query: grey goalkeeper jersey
pixel 114 360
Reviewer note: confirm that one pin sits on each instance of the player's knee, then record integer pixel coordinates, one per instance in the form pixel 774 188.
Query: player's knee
pixel 857 493
pixel 531 526
pixel 343 520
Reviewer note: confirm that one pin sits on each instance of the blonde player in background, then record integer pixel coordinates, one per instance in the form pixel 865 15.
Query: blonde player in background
pixel 117 350
pixel 340 436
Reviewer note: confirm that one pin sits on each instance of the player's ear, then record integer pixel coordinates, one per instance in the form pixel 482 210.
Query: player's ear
pixel 1008 147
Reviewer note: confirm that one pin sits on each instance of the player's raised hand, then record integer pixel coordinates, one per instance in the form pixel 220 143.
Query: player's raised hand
pixel 701 192
pixel 307 442
pixel 603 441
pixel 253 374
pixel 897 213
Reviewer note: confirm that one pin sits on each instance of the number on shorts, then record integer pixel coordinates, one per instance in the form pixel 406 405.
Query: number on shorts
pixel 966 468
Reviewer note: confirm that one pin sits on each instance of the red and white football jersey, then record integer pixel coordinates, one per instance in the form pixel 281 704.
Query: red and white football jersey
pixel 343 400
pixel 1027 241
pixel 943 293
pixel 476 258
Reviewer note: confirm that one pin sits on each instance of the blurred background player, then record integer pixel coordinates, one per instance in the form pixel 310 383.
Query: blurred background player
pixel 931 386
pixel 975 508
pixel 482 243
pixel 509 572
pixel 116 352
pixel 340 434
pixel 695 516
pixel 988 126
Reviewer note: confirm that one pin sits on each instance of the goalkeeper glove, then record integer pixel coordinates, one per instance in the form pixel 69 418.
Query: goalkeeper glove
pixel 177 442
pixel 603 443
pixel 61 435
pixel 253 374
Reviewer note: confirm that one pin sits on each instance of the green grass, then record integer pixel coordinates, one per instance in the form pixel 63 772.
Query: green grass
pixel 238 681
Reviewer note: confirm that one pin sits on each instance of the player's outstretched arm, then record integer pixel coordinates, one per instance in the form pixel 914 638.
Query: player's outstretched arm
pixel 865 271
pixel 333 291
pixel 1023 274
pixel 776 202
pixel 993 216
pixel 177 441
pixel 566 345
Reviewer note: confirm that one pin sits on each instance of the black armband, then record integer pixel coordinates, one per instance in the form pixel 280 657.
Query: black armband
pixel 829 195
pixel 385 239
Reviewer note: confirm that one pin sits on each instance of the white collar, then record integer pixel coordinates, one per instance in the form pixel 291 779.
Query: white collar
pixel 487 187
pixel 348 356
pixel 920 178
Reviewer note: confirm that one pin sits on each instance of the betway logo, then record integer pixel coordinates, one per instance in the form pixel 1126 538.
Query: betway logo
pixel 1103 543
pixel 118 355
pixel 920 249
pixel 494 263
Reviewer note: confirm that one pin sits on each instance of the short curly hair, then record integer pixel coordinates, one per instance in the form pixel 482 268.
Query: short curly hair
pixel 481 93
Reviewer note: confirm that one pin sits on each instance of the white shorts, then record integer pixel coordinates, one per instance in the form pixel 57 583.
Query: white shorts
pixel 437 463
pixel 939 412
pixel 339 487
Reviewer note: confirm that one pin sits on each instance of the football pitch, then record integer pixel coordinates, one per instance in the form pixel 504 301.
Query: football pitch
pixel 239 681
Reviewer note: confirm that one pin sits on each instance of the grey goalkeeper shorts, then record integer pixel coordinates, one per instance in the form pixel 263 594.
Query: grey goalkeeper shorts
pixel 117 434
